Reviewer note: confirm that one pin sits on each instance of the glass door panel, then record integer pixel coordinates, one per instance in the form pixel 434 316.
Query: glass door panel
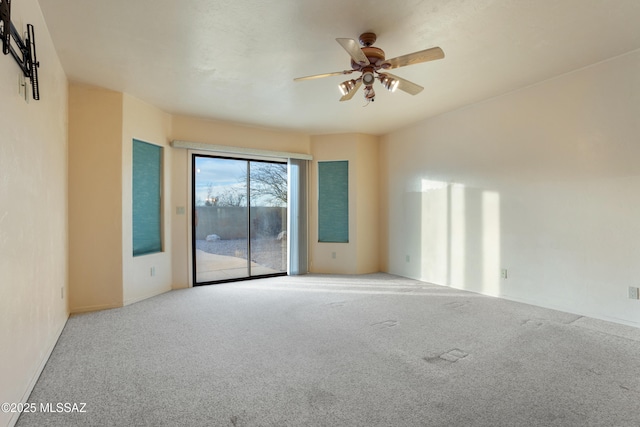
pixel 268 217
pixel 220 241
pixel 239 219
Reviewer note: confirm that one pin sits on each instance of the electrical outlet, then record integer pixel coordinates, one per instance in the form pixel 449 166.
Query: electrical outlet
pixel 503 273
pixel 153 271
pixel 407 258
pixel 333 255
pixel 633 292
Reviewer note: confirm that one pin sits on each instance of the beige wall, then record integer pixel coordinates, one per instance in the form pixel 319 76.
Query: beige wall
pixel 216 133
pixel 238 135
pixel 33 216
pixel 542 182
pixel 368 204
pixel 360 255
pixel 103 271
pixel 95 198
pixel 147 275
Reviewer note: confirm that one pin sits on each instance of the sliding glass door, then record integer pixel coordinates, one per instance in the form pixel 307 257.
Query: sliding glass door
pixel 239 219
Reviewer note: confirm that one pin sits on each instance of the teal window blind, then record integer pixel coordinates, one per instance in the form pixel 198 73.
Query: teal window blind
pixel 333 201
pixel 147 193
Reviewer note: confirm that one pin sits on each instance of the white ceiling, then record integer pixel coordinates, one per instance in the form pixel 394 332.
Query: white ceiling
pixel 235 60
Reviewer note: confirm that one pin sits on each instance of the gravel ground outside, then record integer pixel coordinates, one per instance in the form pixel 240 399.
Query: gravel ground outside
pixel 268 252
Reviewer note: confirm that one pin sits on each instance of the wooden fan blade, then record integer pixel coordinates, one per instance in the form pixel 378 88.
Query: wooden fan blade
pixel 353 91
pixel 353 49
pixel 319 76
pixel 407 86
pixel 415 58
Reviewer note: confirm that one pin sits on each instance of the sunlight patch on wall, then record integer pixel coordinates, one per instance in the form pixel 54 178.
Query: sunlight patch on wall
pixel 460 236
pixel 434 241
pixel 491 243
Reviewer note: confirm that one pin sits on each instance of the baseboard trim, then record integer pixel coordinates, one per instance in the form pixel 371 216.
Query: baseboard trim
pixel 34 379
pixel 89 308
pixel 147 295
pixel 584 313
pixel 537 303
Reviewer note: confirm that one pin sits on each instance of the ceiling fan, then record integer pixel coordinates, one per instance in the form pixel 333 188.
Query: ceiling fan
pixel 370 61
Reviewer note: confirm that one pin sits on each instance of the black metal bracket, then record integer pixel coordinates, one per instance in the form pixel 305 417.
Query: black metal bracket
pixel 5 22
pixel 25 51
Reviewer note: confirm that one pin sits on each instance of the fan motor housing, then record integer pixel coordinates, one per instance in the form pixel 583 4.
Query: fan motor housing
pixel 375 55
pixel 367 39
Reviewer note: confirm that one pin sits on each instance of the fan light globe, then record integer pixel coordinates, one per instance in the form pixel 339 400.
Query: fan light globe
pixel 368 78
pixel 346 87
pixel 390 83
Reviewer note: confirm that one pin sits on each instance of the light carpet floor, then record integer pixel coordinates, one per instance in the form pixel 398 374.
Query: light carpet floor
pixel 373 350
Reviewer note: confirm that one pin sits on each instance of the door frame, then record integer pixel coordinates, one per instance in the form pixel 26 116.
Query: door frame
pixel 192 155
